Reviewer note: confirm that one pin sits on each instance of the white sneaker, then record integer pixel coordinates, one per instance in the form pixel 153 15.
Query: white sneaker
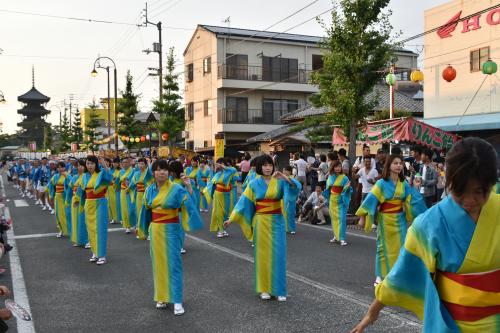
pixel 265 296
pixel 292 232
pixel 281 298
pixel 101 261
pixel 378 280
pixel 52 212
pixel 22 195
pixel 225 234
pixel 220 234
pixel 44 208
pixel 127 231
pixel 161 305
pixel 37 202
pixel 93 258
pixel 183 251
pixel 87 246
pixel 178 309
pixel 112 222
pixel 59 234
pixel 343 243
pixel 333 240
pixel 149 238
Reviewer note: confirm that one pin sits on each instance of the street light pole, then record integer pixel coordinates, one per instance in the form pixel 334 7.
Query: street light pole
pixel 94 73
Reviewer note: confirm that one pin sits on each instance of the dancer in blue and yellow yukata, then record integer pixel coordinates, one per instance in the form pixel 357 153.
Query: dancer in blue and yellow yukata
pixel 92 193
pixel 127 202
pixel 163 202
pixel 220 190
pixel 57 186
pixel 203 177
pixel 114 190
pixel 259 214
pixel 192 172
pixel 448 271
pixel 338 196
pixel 395 204
pixel 140 181
pixel 289 203
pixel 79 235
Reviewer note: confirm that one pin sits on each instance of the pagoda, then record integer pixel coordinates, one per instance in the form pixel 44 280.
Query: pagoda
pixel 34 113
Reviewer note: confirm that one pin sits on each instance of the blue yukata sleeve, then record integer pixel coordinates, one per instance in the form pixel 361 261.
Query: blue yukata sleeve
pixel 346 192
pixel 370 205
pixel 51 188
pixel 191 219
pixel 414 203
pixel 244 211
pixel 104 179
pixel 146 214
pixel 293 190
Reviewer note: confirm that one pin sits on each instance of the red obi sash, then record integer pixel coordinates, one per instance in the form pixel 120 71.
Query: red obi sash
pixel 165 215
pixel 59 188
pixel 336 189
pixel 223 188
pixel 124 185
pixel 75 188
pixel 140 187
pixel 205 179
pixel 470 297
pixel 391 206
pixel 268 206
pixel 90 194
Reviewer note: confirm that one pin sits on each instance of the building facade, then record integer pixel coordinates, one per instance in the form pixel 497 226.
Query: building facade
pixel 240 82
pixel 470 104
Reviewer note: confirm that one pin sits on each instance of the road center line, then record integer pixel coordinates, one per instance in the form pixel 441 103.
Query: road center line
pixel 335 291
pixel 53 234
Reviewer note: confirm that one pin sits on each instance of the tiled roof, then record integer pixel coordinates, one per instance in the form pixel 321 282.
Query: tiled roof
pixel 143 116
pixel 268 136
pixel 33 95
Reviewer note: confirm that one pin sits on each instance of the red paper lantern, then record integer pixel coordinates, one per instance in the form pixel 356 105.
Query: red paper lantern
pixel 143 138
pixel 164 136
pixel 449 73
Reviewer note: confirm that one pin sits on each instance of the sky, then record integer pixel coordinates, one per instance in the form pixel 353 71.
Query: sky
pixel 63 51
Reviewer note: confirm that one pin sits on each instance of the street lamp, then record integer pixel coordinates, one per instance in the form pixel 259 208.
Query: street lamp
pixel 2 97
pixel 94 73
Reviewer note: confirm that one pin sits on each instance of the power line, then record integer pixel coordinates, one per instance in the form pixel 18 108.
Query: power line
pixel 152 7
pixel 57 57
pixel 167 9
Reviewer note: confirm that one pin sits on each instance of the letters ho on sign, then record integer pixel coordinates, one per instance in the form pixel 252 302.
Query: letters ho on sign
pixel 469 24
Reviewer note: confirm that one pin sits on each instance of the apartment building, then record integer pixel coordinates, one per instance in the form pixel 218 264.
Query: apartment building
pixel 241 82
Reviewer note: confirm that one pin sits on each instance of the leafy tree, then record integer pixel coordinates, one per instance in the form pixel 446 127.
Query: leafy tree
pixel 64 134
pixel 91 126
pixel 170 107
pixel 76 128
pixel 128 107
pixel 48 137
pixel 357 47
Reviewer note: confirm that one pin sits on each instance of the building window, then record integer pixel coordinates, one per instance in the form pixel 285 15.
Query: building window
pixel 277 69
pixel 190 145
pixel 274 109
pixel 205 144
pixel 190 111
pixel 207 65
pixel 237 66
pixel 478 58
pixel 317 62
pixel 206 108
pixel 189 73
pixel 236 110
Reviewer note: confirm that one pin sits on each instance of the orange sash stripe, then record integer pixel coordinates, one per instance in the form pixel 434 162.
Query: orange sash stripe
pixel 140 187
pixel 75 188
pixel 165 215
pixel 59 188
pixel 336 189
pixel 391 206
pixel 268 206
pixel 90 194
pixel 223 188
pixel 124 185
pixel 204 179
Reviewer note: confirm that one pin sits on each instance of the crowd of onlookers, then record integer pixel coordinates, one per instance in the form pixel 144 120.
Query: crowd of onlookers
pixel 423 169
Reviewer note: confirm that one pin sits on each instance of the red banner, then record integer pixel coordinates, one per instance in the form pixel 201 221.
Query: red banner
pixel 401 129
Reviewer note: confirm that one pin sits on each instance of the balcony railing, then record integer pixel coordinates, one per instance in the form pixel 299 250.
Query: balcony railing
pixel 250 116
pixel 259 73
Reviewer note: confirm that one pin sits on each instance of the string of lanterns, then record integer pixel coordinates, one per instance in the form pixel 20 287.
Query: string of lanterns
pixel 449 73
pixel 133 139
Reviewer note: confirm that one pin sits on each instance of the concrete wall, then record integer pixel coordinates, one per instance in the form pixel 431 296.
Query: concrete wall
pixel 442 99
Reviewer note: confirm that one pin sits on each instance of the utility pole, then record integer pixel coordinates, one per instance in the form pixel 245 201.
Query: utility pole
pixel 158 48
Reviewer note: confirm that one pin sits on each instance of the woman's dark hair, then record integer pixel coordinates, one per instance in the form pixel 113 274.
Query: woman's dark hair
pixel 471 159
pixel 332 156
pixel 116 160
pixel 94 160
pixel 342 152
pixel 396 151
pixel 195 159
pixel 221 160
pixel 386 173
pixel 143 160
pixel 260 161
pixel 175 168
pixel 159 165
pixel 247 156
pixel 322 158
pixel 288 168
pixel 81 162
pixel 61 165
pixel 335 163
pixel 107 159
pixel 252 162
pixel 428 152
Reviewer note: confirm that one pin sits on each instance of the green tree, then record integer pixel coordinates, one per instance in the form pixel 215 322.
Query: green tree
pixel 64 134
pixel 91 126
pixel 47 137
pixel 170 107
pixel 357 47
pixel 128 107
pixel 76 128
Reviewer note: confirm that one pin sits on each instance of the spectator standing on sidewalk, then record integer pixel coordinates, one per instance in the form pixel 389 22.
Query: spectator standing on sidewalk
pixel 429 178
pixel 367 177
pixel 322 171
pixel 245 167
pixel 301 166
pixel 312 168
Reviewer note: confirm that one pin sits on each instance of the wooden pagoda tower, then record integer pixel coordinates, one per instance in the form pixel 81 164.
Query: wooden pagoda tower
pixel 34 112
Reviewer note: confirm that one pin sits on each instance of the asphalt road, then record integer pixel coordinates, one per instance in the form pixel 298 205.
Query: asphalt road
pixel 330 287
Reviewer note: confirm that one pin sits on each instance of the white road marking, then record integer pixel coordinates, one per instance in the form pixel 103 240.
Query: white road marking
pixel 18 284
pixel 335 291
pixel 21 203
pixel 53 234
pixel 328 229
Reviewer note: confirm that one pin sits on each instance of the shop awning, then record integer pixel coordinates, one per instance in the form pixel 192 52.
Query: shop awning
pixel 474 122
pixel 400 130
